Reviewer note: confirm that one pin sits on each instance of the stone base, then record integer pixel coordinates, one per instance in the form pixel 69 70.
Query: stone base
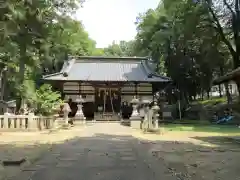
pixel 59 123
pixel 135 118
pixel 136 124
pixel 125 122
pixel 79 122
pixel 152 131
pixel 80 117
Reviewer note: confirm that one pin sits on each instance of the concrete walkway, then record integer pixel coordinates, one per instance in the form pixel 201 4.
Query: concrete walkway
pixel 102 151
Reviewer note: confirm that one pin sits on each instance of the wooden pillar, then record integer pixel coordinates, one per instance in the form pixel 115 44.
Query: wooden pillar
pixel 62 90
pixel 79 88
pixel 153 89
pixel 136 89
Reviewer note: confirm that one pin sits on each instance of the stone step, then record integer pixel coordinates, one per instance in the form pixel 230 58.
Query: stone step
pixel 106 117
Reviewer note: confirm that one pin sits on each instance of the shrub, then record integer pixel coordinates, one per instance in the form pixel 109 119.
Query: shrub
pixel 45 101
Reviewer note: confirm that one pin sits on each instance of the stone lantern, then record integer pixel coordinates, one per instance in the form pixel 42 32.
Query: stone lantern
pixel 135 119
pixel 79 115
pixel 155 109
pixel 135 113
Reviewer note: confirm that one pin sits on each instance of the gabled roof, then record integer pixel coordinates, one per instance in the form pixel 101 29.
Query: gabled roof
pixel 107 69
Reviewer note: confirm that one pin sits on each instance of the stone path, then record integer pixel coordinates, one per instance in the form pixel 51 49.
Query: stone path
pixel 101 152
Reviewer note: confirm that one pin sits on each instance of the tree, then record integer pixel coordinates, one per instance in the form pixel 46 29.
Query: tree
pixel 36 37
pixel 225 17
pixel 123 49
pixel 180 35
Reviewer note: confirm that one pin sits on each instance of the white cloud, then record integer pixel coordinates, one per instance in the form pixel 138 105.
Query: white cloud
pixel 109 20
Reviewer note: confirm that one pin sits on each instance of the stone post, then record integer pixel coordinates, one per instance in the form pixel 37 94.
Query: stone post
pixel 32 122
pixel 155 109
pixel 5 120
pixel 66 110
pixel 150 119
pixel 145 124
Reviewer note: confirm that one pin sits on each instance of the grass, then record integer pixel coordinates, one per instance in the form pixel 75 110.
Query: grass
pixel 191 122
pixel 213 101
pixel 222 129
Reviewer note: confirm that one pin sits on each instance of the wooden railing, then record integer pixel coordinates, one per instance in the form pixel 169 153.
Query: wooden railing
pixel 25 122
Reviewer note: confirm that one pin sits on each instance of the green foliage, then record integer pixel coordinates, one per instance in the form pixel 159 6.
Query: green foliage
pixel 123 49
pixel 45 100
pixel 213 101
pixel 220 129
pixel 187 38
pixel 36 37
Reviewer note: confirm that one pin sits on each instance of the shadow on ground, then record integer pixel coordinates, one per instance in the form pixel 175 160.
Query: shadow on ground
pixel 222 141
pixel 80 156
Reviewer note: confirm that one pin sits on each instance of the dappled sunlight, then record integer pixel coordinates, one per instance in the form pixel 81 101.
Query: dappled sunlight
pixel 183 137
pixel 181 154
pixel 205 157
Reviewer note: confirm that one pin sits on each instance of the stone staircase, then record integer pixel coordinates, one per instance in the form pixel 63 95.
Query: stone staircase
pixel 106 117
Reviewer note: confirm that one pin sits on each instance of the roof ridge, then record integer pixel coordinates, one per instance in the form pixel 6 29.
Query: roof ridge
pixel 53 74
pixel 146 67
pixel 70 63
pixel 102 58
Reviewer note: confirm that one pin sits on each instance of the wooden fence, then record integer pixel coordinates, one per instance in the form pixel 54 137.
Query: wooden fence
pixel 25 122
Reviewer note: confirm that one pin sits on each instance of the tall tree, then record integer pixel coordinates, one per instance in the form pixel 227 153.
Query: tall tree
pixel 225 15
pixel 36 35
pixel 180 35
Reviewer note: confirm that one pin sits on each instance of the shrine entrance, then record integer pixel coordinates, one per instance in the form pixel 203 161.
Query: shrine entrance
pixel 108 100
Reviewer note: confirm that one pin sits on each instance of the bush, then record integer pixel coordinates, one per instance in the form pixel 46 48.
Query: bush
pixel 45 101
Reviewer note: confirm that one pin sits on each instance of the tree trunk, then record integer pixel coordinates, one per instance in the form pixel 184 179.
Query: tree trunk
pixel 3 86
pixel 238 87
pixel 220 90
pixel 202 95
pixel 208 94
pixel 23 51
pixel 236 65
pixel 229 98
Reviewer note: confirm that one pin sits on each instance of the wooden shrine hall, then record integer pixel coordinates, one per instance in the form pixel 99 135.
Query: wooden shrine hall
pixel 106 82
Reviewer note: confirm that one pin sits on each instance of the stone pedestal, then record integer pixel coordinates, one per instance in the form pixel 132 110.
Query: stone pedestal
pixel 156 122
pixel 136 124
pixel 33 122
pixel 60 123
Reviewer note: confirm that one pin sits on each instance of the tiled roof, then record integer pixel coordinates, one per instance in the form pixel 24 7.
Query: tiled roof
pixel 107 69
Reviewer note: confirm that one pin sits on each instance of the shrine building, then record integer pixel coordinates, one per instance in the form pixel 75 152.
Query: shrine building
pixel 106 82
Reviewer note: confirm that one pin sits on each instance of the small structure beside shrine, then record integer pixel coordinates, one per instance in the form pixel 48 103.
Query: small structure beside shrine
pixel 231 78
pixel 105 83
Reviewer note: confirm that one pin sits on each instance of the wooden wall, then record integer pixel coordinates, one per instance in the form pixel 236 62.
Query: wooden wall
pixel 128 90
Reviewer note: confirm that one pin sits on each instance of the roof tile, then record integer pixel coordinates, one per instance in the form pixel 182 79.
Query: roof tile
pixel 106 70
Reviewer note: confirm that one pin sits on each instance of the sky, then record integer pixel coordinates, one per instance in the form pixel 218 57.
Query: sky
pixel 112 20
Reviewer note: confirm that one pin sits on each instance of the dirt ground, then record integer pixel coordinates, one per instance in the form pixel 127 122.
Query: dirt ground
pixel 30 146
pixel 189 155
pixel 196 155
